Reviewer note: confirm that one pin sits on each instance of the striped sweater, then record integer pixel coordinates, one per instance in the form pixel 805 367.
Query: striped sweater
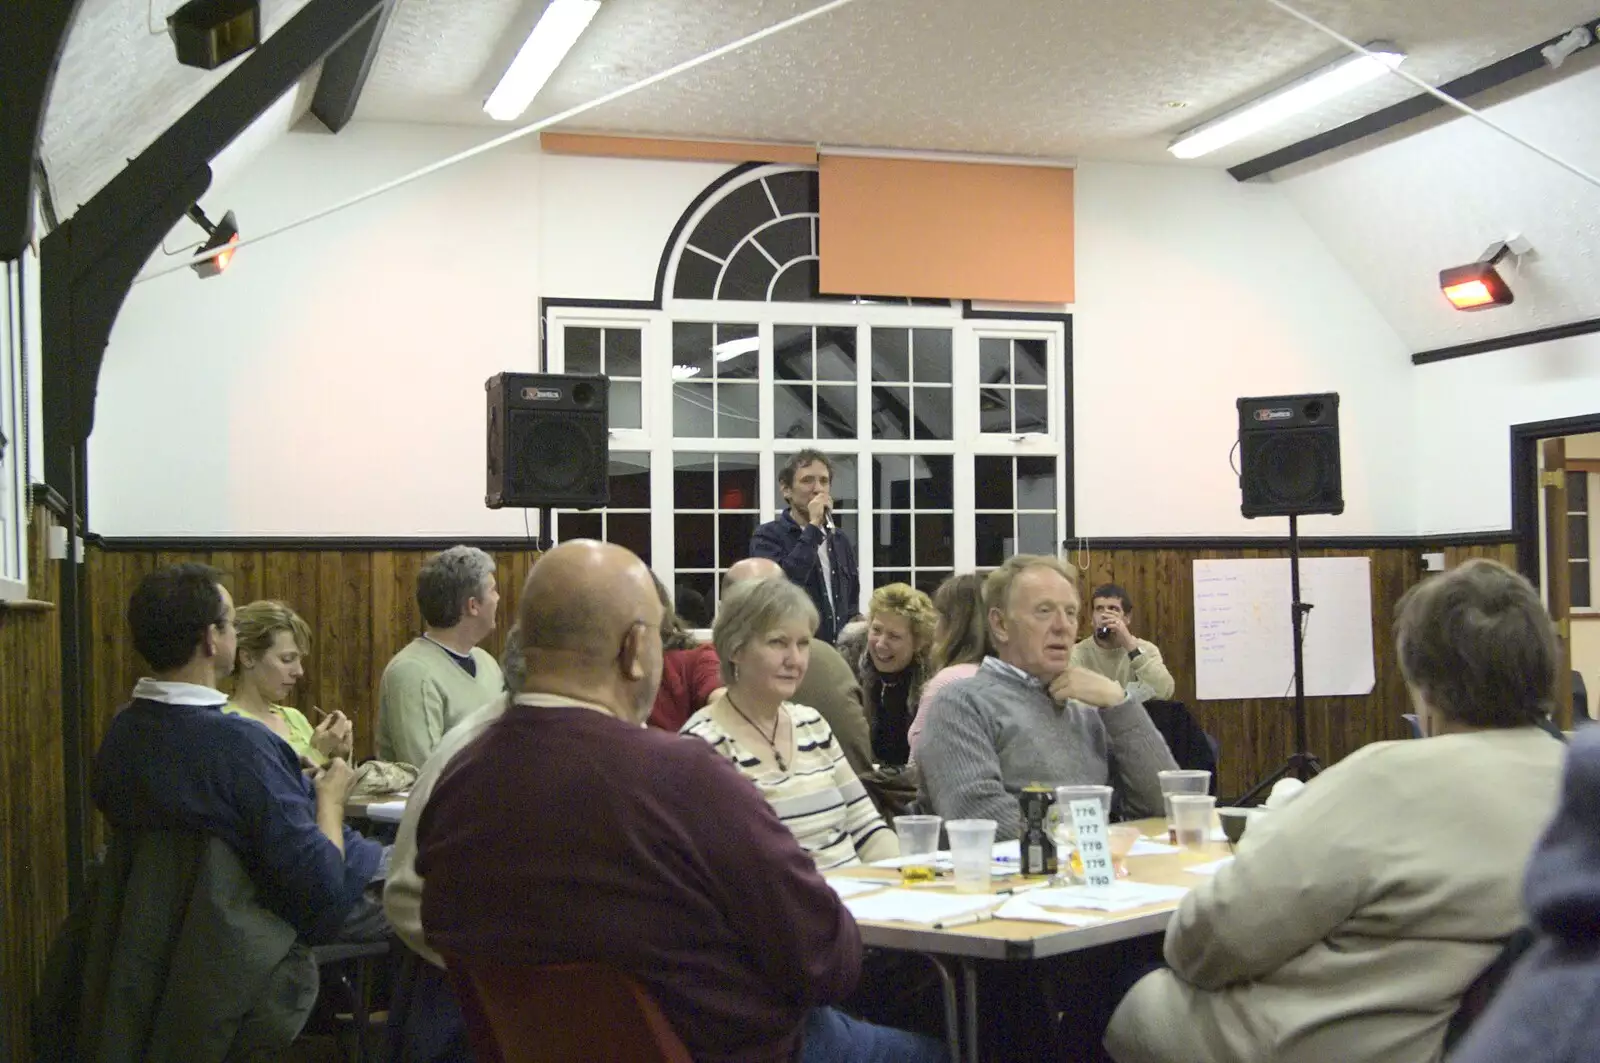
pixel 818 797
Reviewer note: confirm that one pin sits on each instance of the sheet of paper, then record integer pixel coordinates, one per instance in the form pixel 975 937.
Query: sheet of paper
pixel 1146 847
pixel 1025 910
pixel 943 862
pixel 386 811
pixel 1211 868
pixel 1121 897
pixel 852 887
pixel 912 906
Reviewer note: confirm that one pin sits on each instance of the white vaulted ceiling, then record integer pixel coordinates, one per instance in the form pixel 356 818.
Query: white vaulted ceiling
pixel 1050 78
pixel 1024 77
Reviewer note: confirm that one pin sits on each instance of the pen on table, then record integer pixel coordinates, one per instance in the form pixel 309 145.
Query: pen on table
pixel 962 920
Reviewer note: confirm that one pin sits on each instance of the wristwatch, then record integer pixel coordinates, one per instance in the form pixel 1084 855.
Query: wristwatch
pixel 1134 653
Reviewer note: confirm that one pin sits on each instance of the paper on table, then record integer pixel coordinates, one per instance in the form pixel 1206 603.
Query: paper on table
pixel 1210 869
pixel 1025 910
pixel 852 887
pixel 1146 847
pixel 1119 897
pixel 943 862
pixel 386 811
pixel 912 906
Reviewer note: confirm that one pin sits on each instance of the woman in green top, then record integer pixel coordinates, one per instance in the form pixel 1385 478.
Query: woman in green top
pixel 273 644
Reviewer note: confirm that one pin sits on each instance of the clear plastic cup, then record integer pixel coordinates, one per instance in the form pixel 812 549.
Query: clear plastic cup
pixel 919 837
pixel 1191 819
pixel 972 853
pixel 1181 781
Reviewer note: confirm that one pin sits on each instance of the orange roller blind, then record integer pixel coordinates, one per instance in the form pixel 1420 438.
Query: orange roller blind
pixel 945 230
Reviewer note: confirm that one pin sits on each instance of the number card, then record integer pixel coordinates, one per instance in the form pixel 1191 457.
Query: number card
pixel 1089 820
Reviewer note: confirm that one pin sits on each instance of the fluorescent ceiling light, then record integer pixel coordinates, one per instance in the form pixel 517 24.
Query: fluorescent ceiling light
pixel 734 348
pixel 552 38
pixel 1313 90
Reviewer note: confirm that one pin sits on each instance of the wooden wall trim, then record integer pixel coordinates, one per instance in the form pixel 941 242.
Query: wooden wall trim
pixel 604 145
pixel 184 544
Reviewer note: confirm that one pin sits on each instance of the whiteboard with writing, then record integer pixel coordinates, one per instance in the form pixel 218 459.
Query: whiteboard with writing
pixel 1243 645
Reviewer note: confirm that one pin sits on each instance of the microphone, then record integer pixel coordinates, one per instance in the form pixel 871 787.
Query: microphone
pixel 827 519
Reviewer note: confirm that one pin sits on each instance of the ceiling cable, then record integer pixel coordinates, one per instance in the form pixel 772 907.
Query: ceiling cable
pixel 1445 97
pixel 519 133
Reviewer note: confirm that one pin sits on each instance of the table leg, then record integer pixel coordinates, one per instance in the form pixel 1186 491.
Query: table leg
pixel 969 977
pixel 952 1014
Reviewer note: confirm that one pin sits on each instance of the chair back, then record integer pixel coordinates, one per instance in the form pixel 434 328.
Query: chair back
pixel 1481 993
pixel 1413 725
pixel 562 1013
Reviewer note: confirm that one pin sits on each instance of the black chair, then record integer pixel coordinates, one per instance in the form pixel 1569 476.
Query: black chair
pixel 347 973
pixel 1481 993
pixel 1191 747
pixel 1580 701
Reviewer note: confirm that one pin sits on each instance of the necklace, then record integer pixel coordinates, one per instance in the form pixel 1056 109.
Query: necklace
pixel 773 741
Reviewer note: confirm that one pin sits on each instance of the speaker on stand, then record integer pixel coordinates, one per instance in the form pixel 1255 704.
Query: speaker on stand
pixel 549 444
pixel 1289 466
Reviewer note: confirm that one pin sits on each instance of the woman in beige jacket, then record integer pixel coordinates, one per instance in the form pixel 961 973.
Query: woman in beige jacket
pixel 1352 920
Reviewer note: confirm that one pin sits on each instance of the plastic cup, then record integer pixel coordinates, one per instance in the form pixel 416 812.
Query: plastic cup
pixel 972 853
pixel 1181 781
pixel 919 836
pixel 1191 818
pixel 1122 838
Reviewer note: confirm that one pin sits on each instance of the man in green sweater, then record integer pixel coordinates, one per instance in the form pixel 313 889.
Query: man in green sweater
pixel 442 675
pixel 1112 650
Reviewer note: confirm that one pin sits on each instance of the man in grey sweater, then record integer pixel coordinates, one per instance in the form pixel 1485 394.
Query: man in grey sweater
pixel 1029 716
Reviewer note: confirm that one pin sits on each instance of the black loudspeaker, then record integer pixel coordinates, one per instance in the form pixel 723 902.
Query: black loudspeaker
pixel 1289 455
pixel 549 443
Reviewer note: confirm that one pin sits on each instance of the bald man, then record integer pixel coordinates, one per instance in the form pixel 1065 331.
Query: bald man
pixel 829 685
pixel 568 832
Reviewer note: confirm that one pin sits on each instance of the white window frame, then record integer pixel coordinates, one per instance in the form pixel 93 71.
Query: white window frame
pixel 17 304
pixel 966 441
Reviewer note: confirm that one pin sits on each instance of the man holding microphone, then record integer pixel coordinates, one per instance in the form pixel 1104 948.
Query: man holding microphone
pixel 803 540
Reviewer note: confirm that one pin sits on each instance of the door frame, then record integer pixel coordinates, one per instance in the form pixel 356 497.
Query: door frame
pixel 1525 439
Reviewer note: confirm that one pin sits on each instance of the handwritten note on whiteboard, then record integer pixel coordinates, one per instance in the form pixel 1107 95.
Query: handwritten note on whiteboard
pixel 1243 645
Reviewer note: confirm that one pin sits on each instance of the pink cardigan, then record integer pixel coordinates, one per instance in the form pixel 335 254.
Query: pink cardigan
pixel 943 677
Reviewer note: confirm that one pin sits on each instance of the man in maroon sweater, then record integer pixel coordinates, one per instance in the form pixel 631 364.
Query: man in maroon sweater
pixel 568 832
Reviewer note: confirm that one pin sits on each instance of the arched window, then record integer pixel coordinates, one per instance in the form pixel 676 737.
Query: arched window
pixel 947 429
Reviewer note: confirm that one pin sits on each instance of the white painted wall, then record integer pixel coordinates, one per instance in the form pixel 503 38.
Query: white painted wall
pixel 1194 290
pixel 1465 408
pixel 331 382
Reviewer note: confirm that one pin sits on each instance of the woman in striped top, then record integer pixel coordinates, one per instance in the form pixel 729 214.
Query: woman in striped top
pixel 763 638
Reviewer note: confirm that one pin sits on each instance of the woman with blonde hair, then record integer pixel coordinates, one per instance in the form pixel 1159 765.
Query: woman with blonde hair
pixel 960 641
pixel 273 645
pixel 762 636
pixel 890 655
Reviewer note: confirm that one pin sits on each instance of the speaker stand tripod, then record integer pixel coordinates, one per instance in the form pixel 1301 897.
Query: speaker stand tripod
pixel 545 542
pixel 1302 763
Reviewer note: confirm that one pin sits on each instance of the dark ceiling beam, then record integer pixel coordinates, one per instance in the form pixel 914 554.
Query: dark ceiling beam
pixel 345 70
pixel 34 32
pixel 1523 63
pixel 117 223
pixel 87 266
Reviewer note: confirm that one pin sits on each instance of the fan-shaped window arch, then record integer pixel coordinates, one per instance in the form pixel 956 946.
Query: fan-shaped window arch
pixel 757 242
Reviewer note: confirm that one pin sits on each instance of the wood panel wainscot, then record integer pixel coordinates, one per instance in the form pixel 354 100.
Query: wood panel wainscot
pixel 33 829
pixel 361 605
